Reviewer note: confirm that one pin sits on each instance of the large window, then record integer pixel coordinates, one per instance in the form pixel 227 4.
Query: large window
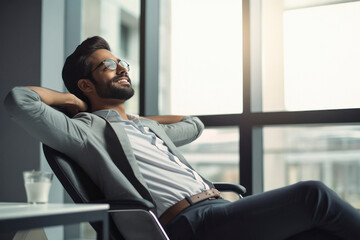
pixel 280 73
pixel 200 57
pixel 278 78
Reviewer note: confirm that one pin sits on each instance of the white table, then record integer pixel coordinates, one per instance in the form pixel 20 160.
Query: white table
pixel 22 216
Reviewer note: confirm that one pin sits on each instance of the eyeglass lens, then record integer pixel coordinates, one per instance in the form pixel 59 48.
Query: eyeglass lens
pixel 112 64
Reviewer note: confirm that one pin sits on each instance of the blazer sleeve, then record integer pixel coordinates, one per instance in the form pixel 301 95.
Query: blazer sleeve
pixel 185 131
pixel 43 122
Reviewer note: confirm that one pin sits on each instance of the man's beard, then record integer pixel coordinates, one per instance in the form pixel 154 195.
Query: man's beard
pixel 123 92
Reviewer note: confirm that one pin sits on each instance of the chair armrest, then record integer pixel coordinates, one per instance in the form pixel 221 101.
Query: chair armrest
pixel 131 204
pixel 230 187
pixel 136 203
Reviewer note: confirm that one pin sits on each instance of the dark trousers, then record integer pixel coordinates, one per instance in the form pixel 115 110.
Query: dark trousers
pixel 306 210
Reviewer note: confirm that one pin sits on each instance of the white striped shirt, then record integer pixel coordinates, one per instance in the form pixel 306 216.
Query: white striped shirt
pixel 168 179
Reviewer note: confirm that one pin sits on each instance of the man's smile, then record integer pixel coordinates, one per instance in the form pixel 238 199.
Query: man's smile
pixel 123 80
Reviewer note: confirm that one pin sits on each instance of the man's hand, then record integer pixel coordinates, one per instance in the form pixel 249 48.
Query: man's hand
pixel 66 102
pixel 74 106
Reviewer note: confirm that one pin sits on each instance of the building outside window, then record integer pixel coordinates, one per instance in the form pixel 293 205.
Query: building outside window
pixel 327 153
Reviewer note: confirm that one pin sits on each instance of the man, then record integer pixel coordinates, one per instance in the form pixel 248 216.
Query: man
pixel 134 157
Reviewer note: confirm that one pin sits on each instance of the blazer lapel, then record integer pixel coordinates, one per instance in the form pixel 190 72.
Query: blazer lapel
pixel 124 158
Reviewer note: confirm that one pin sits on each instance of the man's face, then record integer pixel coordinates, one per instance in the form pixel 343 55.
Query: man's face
pixel 115 84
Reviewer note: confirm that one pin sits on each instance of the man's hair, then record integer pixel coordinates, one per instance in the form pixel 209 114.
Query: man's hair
pixel 77 66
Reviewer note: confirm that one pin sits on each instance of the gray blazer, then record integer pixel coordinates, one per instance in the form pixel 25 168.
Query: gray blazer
pixel 101 150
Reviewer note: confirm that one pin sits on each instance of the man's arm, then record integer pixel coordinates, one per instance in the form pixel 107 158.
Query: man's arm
pixel 166 119
pixel 181 129
pixel 65 101
pixel 28 106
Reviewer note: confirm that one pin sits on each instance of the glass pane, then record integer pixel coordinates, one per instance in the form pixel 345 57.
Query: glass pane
pixel 117 22
pixel 327 153
pixel 310 55
pixel 215 154
pixel 200 57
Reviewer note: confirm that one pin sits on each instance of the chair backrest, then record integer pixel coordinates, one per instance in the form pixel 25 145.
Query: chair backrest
pixel 76 183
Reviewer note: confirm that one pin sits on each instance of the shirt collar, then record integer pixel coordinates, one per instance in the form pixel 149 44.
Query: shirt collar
pixel 114 116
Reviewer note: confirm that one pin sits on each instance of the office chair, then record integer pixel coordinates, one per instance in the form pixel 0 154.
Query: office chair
pixel 130 212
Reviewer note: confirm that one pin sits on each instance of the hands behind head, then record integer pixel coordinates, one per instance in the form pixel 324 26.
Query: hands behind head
pixel 73 107
pixel 65 102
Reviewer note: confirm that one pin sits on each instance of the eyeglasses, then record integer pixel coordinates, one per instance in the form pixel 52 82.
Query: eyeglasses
pixel 112 64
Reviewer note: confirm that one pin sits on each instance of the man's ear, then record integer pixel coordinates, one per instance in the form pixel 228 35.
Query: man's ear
pixel 86 85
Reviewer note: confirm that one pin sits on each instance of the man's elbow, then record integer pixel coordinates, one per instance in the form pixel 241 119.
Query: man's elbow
pixel 17 101
pixel 199 126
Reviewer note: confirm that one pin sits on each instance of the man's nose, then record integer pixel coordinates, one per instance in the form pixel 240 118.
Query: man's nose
pixel 120 69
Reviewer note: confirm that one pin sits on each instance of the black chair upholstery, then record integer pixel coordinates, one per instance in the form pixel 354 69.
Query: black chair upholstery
pixel 83 190
pixel 77 184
